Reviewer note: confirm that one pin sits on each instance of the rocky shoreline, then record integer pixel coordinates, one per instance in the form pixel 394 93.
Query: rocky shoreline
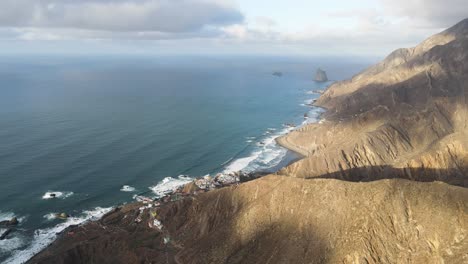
pixel 382 180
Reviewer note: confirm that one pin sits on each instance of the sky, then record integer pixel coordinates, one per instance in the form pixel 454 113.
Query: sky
pixel 250 27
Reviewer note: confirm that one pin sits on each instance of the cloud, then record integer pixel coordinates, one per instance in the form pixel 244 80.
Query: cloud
pixel 168 16
pixel 428 13
pixel 219 25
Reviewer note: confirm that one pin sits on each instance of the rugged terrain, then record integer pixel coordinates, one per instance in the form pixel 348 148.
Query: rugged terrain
pixel 405 117
pixel 383 180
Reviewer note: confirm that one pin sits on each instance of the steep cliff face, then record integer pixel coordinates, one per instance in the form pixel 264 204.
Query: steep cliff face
pixel 285 220
pixel 405 117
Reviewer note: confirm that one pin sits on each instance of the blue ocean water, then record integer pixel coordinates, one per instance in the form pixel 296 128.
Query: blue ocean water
pixel 83 127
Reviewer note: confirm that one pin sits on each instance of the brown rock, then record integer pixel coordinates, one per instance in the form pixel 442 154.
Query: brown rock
pixel 12 222
pixel 190 188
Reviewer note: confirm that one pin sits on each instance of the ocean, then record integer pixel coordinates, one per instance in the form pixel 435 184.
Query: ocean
pixel 95 131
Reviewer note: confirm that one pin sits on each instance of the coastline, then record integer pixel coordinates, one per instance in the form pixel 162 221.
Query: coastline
pixel 189 189
pixel 284 142
pixel 382 172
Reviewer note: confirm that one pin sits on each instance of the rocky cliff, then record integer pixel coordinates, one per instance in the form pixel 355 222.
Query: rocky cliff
pixel 405 117
pixel 383 180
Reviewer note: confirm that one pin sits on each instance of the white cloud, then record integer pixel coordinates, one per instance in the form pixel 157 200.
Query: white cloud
pixel 116 15
pixel 376 29
pixel 428 13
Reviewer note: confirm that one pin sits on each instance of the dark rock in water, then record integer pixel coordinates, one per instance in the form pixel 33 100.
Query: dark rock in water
pixel 53 195
pixel 278 74
pixel 62 216
pixel 321 76
pixel 11 222
pixel 8 231
pixel 14 221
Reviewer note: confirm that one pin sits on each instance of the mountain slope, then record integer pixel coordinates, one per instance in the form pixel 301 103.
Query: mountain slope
pixel 405 117
pixel 285 220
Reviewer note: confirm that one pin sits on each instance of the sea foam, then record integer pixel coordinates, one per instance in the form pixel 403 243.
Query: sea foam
pixel 127 188
pixel 62 195
pixel 169 184
pixel 44 237
pixel 268 154
pixel 6 215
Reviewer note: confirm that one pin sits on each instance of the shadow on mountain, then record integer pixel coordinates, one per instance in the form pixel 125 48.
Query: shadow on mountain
pixel 456 177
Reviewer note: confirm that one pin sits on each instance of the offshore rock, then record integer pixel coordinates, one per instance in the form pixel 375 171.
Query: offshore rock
pixel 321 76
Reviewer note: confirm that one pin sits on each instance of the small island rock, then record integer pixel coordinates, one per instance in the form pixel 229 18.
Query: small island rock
pixel 321 76
pixel 12 222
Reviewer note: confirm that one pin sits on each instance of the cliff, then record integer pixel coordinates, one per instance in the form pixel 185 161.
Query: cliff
pixel 405 117
pixel 383 180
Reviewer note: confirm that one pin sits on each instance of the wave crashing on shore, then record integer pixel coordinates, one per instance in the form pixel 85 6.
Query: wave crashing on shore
pixel 44 237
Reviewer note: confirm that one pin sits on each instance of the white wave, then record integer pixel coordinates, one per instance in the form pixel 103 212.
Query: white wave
pixel 169 184
pixel 8 245
pixel 242 163
pixel 268 154
pixel 14 241
pixel 309 102
pixel 44 237
pixel 54 194
pixel 6 215
pixel 127 188
pixel 9 215
pixel 50 216
pixel 226 162
pixel 313 116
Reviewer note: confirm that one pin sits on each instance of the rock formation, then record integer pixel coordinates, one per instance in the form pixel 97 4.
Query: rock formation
pixel 383 180
pixel 12 222
pixel 321 76
pixel 406 117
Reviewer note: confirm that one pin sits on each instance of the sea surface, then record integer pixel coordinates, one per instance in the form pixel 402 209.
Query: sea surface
pixel 95 131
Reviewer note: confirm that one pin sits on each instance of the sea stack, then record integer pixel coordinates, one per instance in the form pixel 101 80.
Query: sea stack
pixel 321 76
